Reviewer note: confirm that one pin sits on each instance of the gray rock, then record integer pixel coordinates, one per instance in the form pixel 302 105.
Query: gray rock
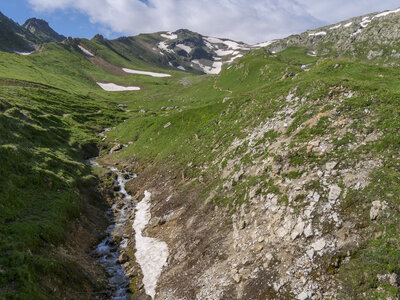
pixel 334 193
pixel 298 230
pixel 319 245
pixel 375 210
pixel 330 166
pixel 308 232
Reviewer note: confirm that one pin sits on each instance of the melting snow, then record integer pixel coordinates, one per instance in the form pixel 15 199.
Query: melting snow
pixel 317 33
pixel 336 27
pixel 164 46
pixel 184 47
pixel 386 13
pixel 213 40
pixel 169 35
pixel 151 254
pixel 214 69
pixel 23 53
pixel 235 57
pixel 357 32
pixel 220 52
pixel 348 24
pixel 181 68
pixel 112 87
pixel 153 74
pixel 87 52
pixel 262 45
pixel 365 22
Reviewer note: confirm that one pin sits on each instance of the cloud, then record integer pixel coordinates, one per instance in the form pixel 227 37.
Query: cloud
pixel 243 20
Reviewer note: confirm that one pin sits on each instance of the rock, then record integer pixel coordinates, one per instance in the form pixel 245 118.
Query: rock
pixel 242 224
pixel 117 147
pixel 237 278
pixel 122 106
pixel 310 253
pixel 123 258
pixel 308 232
pixel 334 193
pixel 375 210
pixel 316 197
pixel 319 245
pixel 167 125
pixel 303 296
pixel 298 230
pixel 281 232
pixel 330 166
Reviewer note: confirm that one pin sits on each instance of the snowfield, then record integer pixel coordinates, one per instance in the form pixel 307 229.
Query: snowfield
pixel 384 14
pixel 87 52
pixel 112 87
pixel 317 33
pixel 184 47
pixel 214 69
pixel 169 35
pixel 153 74
pixel 163 46
pixel 151 254
pixel 23 53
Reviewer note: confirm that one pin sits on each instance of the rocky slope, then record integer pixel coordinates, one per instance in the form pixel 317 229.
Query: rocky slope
pixel 42 31
pixel 278 178
pixel 25 38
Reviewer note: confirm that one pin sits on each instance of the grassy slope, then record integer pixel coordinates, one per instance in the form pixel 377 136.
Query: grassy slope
pixel 206 126
pixel 50 110
pixel 201 122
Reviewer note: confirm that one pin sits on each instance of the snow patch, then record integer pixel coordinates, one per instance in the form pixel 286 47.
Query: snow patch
pixel 213 40
pixel 348 24
pixel 262 45
pixel 23 53
pixel 153 74
pixel 335 27
pixel 317 33
pixel 151 254
pixel 112 87
pixel 184 47
pixel 220 52
pixel 181 68
pixel 365 22
pixel 85 51
pixel 384 14
pixel 163 46
pixel 357 32
pixel 169 35
pixel 235 57
pixel 214 69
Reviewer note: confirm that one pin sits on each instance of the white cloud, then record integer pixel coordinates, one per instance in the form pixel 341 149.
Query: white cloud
pixel 243 20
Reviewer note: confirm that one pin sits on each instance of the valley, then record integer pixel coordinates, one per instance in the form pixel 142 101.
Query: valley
pixel 173 165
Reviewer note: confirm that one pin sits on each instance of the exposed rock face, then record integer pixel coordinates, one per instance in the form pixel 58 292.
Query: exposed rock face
pixel 43 31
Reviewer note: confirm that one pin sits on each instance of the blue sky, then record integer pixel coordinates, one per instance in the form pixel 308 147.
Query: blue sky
pixel 250 21
pixel 68 22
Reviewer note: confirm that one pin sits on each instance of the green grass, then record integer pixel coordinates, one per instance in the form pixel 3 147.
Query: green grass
pixel 51 108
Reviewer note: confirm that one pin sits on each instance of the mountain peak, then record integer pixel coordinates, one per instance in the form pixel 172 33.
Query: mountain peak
pixel 42 30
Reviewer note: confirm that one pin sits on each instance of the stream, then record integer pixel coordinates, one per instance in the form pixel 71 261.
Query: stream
pixel 108 251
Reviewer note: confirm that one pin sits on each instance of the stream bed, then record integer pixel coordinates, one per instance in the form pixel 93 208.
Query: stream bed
pixel 108 251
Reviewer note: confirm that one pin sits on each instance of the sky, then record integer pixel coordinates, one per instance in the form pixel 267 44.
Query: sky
pixel 250 21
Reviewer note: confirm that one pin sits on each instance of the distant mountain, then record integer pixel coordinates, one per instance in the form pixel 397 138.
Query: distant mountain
pixel 182 49
pixel 26 38
pixel 42 30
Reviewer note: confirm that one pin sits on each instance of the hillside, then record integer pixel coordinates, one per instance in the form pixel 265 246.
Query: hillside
pixel 276 178
pixel 25 38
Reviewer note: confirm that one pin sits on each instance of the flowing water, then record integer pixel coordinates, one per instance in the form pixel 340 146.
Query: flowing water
pixel 108 251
